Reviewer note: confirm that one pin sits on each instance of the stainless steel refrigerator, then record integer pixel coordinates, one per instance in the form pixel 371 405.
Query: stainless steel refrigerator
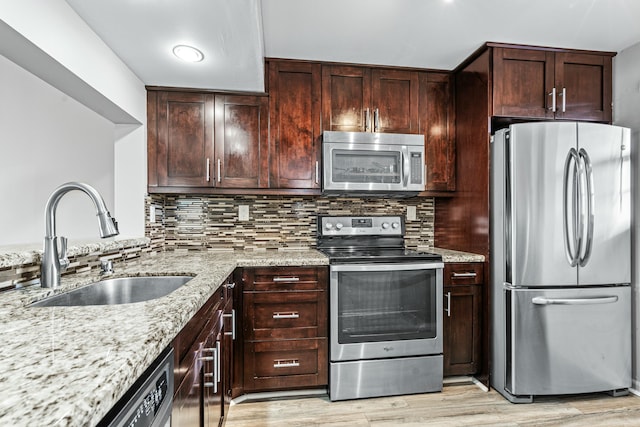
pixel 560 260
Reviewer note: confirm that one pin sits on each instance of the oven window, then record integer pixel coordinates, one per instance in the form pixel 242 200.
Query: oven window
pixel 386 305
pixel 366 166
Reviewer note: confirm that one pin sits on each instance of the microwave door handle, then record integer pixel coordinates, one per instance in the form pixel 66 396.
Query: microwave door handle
pixel 405 166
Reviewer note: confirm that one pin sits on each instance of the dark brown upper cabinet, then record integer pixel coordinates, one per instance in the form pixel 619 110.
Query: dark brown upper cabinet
pixel 365 99
pixel 295 134
pixel 242 141
pixel 205 141
pixel 437 124
pixel 552 84
pixel 181 144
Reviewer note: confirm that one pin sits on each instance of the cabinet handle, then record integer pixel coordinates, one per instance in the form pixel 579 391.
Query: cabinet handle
pixel 286 279
pixel 448 309
pixel 233 323
pixel 286 363
pixel 230 285
pixel 208 169
pixel 218 360
pixel 553 99
pixel 216 373
pixel 219 167
pixel 286 314
pixel 317 172
pixel 564 99
pixel 367 120
pixel 376 120
pixel 463 275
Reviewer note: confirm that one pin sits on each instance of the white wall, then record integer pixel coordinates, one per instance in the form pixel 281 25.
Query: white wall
pixel 94 126
pixel 626 111
pixel 48 138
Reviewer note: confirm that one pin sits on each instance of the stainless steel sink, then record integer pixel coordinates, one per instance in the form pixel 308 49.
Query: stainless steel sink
pixel 123 290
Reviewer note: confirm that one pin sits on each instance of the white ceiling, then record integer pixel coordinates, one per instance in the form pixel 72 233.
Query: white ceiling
pixel 235 35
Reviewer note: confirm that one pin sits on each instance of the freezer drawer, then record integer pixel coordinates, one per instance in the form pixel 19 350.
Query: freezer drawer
pixel 564 341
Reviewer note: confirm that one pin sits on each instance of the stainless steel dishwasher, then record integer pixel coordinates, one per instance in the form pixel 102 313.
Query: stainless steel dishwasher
pixel 148 402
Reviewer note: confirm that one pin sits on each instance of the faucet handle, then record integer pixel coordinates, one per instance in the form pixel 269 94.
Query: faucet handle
pixel 106 266
pixel 64 261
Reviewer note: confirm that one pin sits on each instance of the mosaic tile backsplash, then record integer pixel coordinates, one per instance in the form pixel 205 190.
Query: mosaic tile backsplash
pixel 18 270
pixel 186 222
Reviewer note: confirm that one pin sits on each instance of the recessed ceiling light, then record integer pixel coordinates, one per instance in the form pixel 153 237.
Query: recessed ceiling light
pixel 188 53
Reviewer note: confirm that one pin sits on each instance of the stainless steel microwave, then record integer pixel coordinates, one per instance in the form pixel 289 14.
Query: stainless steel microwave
pixel 363 163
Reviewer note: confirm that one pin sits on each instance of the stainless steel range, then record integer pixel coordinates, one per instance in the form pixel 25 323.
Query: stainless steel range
pixel 385 309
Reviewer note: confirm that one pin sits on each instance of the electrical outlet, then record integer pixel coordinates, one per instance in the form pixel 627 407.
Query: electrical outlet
pixel 411 213
pixel 152 214
pixel 243 213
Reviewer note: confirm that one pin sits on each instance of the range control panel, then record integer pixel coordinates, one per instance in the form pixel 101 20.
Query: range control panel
pixel 361 225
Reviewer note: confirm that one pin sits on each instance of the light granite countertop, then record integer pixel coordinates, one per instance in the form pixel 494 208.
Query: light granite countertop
pixel 449 255
pixel 67 366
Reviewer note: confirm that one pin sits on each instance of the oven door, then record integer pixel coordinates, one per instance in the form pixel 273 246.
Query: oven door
pixel 385 310
pixel 373 167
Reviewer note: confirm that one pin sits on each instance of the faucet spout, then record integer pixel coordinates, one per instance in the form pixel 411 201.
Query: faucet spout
pixel 54 260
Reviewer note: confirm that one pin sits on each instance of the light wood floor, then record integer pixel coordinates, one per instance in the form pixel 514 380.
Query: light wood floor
pixel 457 405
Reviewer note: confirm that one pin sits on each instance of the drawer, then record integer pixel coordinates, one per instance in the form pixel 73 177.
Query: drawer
pixel 463 273
pixel 284 278
pixel 285 315
pixel 286 364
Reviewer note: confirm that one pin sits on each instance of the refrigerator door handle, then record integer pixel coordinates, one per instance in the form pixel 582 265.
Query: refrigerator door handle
pixel 574 301
pixel 588 172
pixel 574 239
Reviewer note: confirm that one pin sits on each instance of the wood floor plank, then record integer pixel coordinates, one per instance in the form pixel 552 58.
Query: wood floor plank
pixel 457 405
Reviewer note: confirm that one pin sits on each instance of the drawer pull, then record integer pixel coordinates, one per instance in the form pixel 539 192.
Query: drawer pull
pixel 286 363
pixel 463 275
pixel 232 315
pixel 286 279
pixel 286 315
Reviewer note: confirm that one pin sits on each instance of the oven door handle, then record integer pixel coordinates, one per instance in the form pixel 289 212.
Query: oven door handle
pixel 369 267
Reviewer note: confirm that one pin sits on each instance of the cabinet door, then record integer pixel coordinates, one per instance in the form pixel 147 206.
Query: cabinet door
pixel 437 125
pixel 394 101
pixel 242 141
pixel 184 145
pixel 583 82
pixel 346 98
pixel 212 367
pixel 523 81
pixel 229 329
pixel 461 329
pixel 186 410
pixel 462 314
pixel 294 109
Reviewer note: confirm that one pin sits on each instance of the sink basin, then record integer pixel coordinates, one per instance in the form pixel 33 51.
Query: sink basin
pixel 123 290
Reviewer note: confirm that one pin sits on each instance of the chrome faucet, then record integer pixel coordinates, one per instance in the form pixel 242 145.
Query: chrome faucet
pixel 55 261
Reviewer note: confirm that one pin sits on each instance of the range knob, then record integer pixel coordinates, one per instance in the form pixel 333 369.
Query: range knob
pixel 339 226
pixel 395 225
pixel 385 225
pixel 328 226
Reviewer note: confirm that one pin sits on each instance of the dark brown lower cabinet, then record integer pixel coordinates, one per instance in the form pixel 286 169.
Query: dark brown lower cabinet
pixel 202 364
pixel 462 318
pixel 284 328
